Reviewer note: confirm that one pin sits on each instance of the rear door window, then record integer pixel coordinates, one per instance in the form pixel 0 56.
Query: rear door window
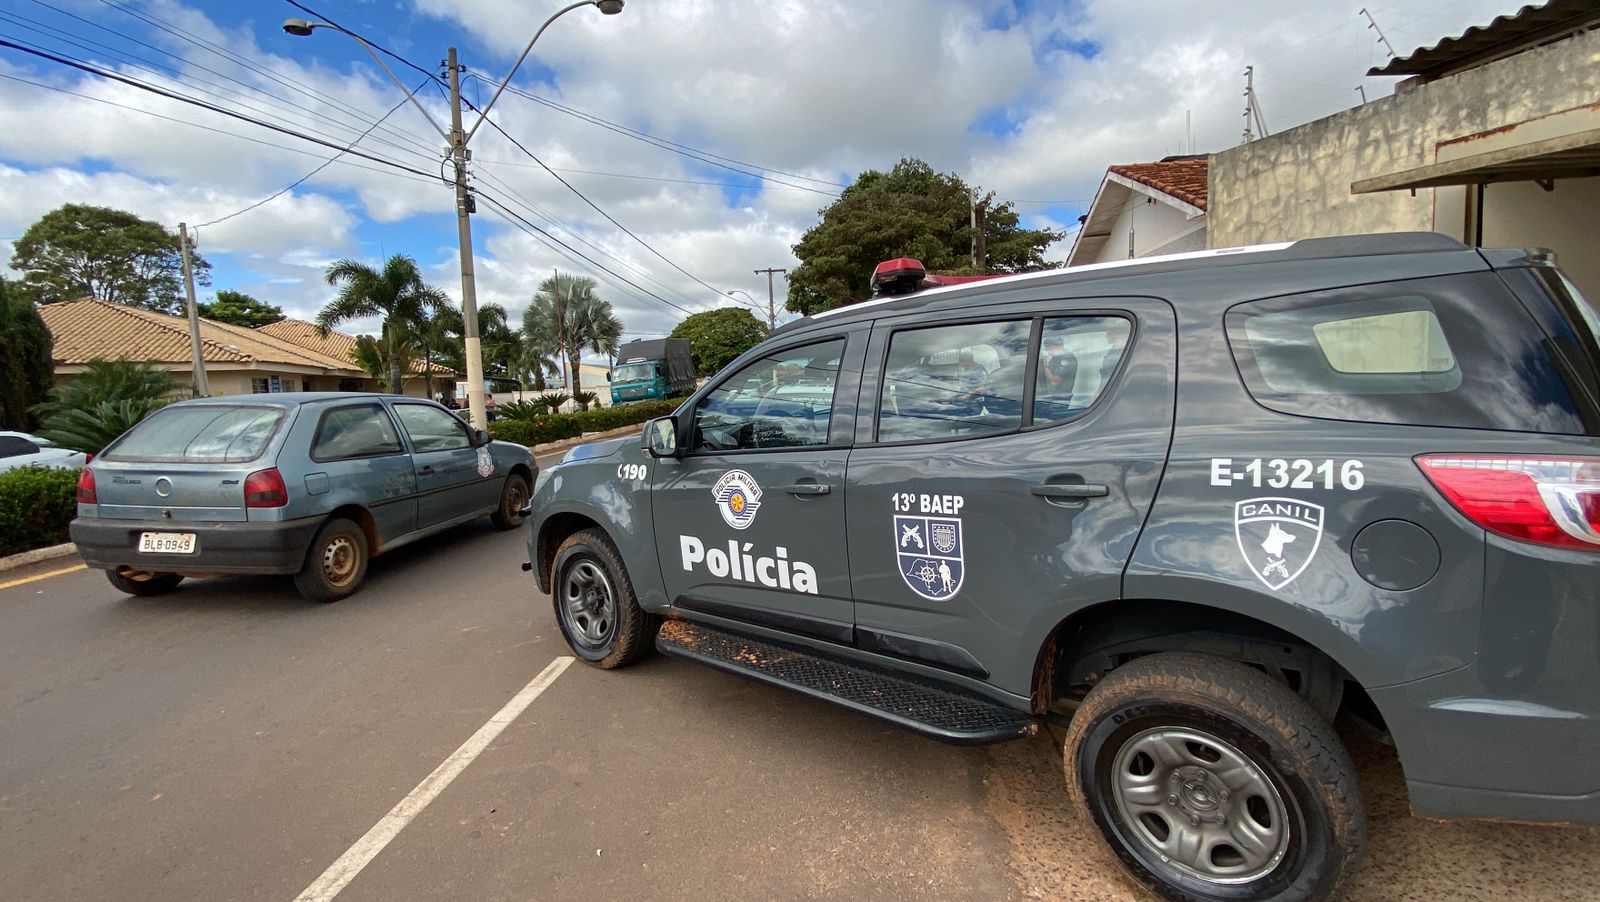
pixel 202 433
pixel 1456 351
pixel 352 432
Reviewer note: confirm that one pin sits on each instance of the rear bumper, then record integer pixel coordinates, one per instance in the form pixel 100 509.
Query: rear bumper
pixel 269 547
pixel 1473 751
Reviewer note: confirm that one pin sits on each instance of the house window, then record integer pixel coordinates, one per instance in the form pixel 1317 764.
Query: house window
pixel 259 386
pixel 268 384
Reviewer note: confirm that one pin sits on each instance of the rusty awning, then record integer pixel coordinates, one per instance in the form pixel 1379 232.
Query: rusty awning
pixel 1575 155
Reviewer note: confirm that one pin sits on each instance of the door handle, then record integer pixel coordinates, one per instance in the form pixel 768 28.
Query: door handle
pixel 1070 491
pixel 427 470
pixel 808 488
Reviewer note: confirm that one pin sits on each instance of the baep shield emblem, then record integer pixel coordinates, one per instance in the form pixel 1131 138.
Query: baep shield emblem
pixel 929 551
pixel 1278 537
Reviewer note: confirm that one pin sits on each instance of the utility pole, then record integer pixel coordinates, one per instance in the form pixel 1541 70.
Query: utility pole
pixel 197 360
pixel 465 206
pixel 980 244
pixel 772 310
pixel 561 333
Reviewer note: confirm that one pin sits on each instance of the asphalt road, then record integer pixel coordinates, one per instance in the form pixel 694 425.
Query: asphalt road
pixel 231 741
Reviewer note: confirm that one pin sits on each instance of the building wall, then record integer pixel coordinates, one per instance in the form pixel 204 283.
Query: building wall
pixel 1158 228
pixel 1296 184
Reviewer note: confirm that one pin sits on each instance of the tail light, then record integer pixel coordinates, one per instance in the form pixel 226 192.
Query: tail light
pixel 265 488
pixel 1544 500
pixel 86 486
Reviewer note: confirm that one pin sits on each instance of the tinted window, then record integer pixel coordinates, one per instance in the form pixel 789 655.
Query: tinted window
pixel 16 446
pixel 432 428
pixel 783 400
pixel 954 381
pixel 1078 356
pixel 206 433
pixel 1455 351
pixel 347 432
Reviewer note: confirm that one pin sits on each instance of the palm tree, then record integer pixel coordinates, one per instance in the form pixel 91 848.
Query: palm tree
pixel 397 293
pixel 585 322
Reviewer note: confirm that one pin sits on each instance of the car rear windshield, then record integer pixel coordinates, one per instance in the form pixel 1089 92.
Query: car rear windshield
pixel 205 433
pixel 1456 351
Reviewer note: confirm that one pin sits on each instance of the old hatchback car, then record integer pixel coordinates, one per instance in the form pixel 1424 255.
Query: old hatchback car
pixel 310 484
pixel 1204 503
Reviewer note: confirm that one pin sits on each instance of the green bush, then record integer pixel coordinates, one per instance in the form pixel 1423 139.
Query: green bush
pixel 35 506
pixel 557 426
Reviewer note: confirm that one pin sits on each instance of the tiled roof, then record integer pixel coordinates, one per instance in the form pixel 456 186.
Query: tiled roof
pixel 88 329
pixel 337 345
pixel 1183 179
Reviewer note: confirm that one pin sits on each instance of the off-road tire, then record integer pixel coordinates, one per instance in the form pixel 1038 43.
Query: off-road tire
pixel 326 575
pixel 632 631
pixel 513 497
pixel 1276 730
pixel 154 584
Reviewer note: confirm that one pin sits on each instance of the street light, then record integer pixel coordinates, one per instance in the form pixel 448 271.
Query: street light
pixel 772 319
pixel 747 297
pixel 458 138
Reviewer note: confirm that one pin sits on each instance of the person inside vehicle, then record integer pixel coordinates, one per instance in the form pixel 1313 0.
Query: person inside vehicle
pixel 1058 374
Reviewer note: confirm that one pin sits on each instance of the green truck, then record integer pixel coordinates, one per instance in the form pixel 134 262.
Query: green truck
pixel 652 369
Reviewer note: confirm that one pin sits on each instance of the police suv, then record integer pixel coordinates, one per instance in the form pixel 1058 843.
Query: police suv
pixel 1205 502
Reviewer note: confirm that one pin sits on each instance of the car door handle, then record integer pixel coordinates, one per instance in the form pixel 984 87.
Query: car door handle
pixel 425 471
pixel 1070 491
pixel 808 488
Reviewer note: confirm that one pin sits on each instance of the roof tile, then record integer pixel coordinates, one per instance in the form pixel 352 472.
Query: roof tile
pixel 1183 179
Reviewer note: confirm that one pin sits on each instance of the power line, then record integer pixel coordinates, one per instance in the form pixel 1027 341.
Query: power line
pixel 183 98
pixel 176 75
pixel 626 175
pixel 519 220
pixel 370 43
pixel 429 179
pixel 301 180
pixel 609 218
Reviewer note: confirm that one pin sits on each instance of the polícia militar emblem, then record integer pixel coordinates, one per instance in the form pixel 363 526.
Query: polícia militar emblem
pixel 1278 537
pixel 738 498
pixel 929 551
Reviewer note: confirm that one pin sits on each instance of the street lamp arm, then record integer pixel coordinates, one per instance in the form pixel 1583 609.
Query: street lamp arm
pixel 484 113
pixel 300 27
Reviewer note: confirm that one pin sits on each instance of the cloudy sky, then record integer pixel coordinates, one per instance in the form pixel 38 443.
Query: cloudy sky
pixel 713 130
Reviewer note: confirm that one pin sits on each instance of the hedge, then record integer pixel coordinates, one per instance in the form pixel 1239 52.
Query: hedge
pixel 36 504
pixel 557 426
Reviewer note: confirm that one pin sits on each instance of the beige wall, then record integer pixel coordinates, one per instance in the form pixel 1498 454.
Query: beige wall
pixel 1296 184
pixel 222 382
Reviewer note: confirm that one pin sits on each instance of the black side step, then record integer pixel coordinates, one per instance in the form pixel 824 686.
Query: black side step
pixel 922 706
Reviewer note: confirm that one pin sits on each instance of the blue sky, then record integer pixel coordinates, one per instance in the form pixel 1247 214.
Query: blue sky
pixel 1030 99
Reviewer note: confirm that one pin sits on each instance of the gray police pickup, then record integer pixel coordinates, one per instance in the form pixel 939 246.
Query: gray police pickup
pixel 1205 502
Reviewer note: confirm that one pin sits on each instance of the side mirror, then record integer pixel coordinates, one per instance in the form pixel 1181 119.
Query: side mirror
pixel 608 375
pixel 661 437
pixel 483 436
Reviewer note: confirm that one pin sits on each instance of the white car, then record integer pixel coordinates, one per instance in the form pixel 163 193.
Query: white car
pixel 19 449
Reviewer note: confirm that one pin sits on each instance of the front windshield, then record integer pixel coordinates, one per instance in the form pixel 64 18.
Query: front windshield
pixel 633 372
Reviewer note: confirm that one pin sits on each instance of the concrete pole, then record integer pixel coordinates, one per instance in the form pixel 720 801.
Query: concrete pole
pixel 197 360
pixel 469 289
pixel 772 309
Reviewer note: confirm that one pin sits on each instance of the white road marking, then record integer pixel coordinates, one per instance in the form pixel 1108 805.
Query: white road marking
pixel 341 872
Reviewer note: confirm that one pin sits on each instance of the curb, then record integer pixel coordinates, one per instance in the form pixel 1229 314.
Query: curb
pixel 36 555
pixel 587 437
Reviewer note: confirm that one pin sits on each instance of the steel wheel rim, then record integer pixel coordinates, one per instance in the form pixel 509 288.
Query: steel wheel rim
pixel 1200 805
pixel 516 496
pixel 589 603
pixel 339 561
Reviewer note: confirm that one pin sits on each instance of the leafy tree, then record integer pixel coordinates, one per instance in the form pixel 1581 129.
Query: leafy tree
pixel 397 293
pixel 585 321
pixel 909 211
pixel 371 356
pixel 91 429
pixel 26 372
pixel 79 251
pixel 240 309
pixel 718 336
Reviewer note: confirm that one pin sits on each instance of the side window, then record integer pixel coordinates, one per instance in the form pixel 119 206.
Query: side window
pixel 954 381
pixel 16 446
pixel 349 432
pixel 1077 358
pixel 432 429
pixel 1455 351
pixel 783 400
